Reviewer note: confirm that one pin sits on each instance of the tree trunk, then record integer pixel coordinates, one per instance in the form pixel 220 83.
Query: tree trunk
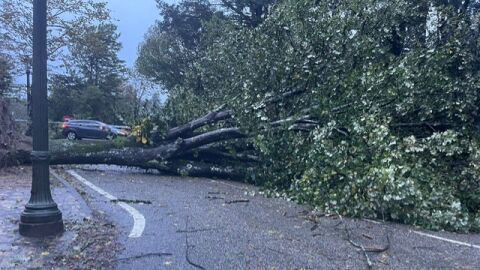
pixel 179 152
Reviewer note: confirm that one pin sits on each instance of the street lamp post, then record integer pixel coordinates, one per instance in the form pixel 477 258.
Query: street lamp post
pixel 41 216
pixel 29 100
pixel 29 94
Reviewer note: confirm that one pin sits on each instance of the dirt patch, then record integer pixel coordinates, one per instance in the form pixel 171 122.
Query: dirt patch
pixel 94 246
pixel 86 244
pixel 89 240
pixel 12 177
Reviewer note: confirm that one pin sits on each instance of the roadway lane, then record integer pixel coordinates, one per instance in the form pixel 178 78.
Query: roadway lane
pixel 211 224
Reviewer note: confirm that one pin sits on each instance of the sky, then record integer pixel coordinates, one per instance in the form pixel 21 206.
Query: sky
pixel 134 18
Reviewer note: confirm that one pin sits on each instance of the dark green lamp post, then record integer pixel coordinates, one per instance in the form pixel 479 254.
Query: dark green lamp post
pixel 41 216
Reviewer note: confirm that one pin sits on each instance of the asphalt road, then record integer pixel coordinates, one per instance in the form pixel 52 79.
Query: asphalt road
pixel 193 223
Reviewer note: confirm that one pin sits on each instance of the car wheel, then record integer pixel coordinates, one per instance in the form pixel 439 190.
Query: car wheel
pixel 71 136
pixel 111 137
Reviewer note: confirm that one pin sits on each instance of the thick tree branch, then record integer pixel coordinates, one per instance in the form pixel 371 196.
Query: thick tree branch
pixel 187 129
pixel 212 154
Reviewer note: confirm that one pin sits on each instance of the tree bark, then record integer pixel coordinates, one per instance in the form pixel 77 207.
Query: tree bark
pixel 187 129
pixel 180 152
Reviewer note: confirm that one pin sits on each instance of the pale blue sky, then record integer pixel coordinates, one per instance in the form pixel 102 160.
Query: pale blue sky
pixel 134 17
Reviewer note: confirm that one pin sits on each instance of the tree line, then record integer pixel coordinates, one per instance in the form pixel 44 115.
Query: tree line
pixel 87 78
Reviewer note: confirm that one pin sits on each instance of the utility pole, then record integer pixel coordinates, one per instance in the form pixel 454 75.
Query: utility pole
pixel 41 216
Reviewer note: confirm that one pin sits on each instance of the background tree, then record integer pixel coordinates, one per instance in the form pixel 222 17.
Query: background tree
pixel 172 46
pixel 64 93
pixel 5 75
pixel 98 75
pixel 66 19
pixel 139 97
pixel 94 55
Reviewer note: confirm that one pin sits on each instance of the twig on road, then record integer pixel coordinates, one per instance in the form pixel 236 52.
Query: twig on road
pixel 303 214
pixel 131 201
pixel 197 230
pixel 216 192
pixel 277 251
pixel 211 198
pixel 365 250
pixel 187 249
pixel 214 198
pixel 154 254
pixel 367 236
pixel 86 246
pixel 237 201
pixel 347 232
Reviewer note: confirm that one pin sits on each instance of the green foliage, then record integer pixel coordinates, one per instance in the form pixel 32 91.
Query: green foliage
pixel 394 86
pixel 94 54
pixel 150 129
pixel 63 93
pixel 93 88
pixel 70 95
pixel 430 182
pixel 172 45
pixel 120 142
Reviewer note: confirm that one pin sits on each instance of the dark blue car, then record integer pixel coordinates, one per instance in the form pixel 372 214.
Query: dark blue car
pixel 86 129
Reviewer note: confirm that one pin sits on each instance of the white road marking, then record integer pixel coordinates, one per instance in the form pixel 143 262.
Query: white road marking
pixel 446 239
pixel 138 218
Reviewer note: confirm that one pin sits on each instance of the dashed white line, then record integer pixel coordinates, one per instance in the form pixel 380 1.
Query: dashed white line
pixel 138 218
pixel 446 239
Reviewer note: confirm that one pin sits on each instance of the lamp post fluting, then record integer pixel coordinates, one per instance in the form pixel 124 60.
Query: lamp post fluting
pixel 41 216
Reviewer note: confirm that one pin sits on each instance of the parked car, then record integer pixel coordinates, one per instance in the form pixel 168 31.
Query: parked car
pixel 86 129
pixel 118 131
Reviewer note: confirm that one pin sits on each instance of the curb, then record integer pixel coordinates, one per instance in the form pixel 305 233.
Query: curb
pixel 83 204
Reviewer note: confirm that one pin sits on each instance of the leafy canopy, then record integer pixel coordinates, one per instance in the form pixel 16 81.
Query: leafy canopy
pixel 390 90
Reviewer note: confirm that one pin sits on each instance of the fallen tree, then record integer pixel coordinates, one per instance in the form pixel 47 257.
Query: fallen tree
pixel 180 150
pixel 193 149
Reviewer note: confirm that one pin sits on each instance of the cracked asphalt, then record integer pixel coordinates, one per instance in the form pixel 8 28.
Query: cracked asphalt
pixel 198 223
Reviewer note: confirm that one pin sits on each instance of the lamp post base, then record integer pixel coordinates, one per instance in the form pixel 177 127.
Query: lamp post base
pixel 41 222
